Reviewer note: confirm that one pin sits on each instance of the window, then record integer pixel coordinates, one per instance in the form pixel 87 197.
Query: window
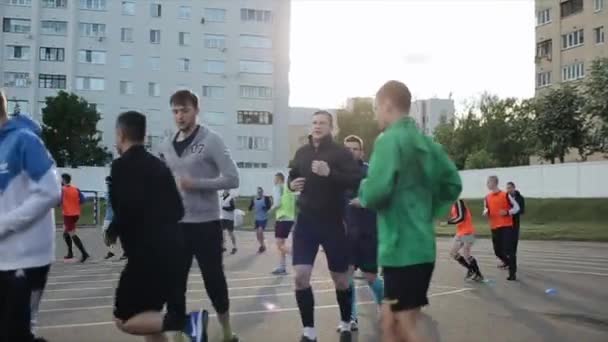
pixel 18 106
pixel 184 38
pixel 14 25
pixel 92 57
pixel 153 89
pixel 216 15
pixel 252 41
pixel 95 5
pixel 215 67
pixel 255 67
pixel 54 3
pixel 253 143
pixel 50 27
pixel 543 79
pixel 571 7
pixel 18 52
pixel 155 36
pixel 543 17
pixel 156 10
pixel 598 33
pixel 215 41
pixel 90 83
pixel 184 12
pixel 252 165
pixel 126 35
pixel 92 30
pixel 254 117
pixel 19 2
pixel 128 7
pixel 543 49
pixel 126 88
pixel 214 118
pixel 51 54
pixel 573 72
pixel 126 61
pixel 183 64
pixel 598 5
pixel 154 63
pixel 17 79
pixel 51 81
pixel 256 92
pixel 213 92
pixel 262 16
pixel 573 39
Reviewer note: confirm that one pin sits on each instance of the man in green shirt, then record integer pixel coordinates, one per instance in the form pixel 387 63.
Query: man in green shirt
pixel 284 204
pixel 410 182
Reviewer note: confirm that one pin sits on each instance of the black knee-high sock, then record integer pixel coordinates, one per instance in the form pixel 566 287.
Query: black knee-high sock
pixel 79 245
pixel 461 260
pixel 306 304
pixel 345 303
pixel 68 241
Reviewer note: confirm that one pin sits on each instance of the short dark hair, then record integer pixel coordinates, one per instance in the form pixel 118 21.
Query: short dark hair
pixel 494 178
pixel 280 175
pixel 511 184
pixel 326 113
pixel 66 178
pixel 184 97
pixel 133 125
pixel 398 93
pixel 355 139
pixel 3 109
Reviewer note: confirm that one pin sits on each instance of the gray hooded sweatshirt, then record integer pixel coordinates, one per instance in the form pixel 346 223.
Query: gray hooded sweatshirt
pixel 207 161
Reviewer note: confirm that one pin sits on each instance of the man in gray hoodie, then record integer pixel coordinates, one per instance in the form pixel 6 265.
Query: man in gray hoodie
pixel 202 166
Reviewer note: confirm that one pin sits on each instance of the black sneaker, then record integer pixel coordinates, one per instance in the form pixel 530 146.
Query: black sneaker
pixel 306 339
pixel 469 274
pixel 512 277
pixel 110 255
pixel 346 336
pixel 262 249
pixel 84 258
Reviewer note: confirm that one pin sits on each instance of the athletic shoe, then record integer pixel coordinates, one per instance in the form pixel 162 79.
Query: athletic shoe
pixel 68 257
pixel 512 277
pixel 477 277
pixel 196 328
pixel 262 249
pixel 233 251
pixel 306 339
pixel 279 271
pixel 469 275
pixel 84 258
pixel 346 336
pixel 354 325
pixel 110 255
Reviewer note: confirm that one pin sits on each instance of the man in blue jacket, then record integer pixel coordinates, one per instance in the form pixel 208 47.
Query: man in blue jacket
pixel 29 190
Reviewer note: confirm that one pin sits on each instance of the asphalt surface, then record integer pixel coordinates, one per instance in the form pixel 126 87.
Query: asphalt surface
pixel 77 305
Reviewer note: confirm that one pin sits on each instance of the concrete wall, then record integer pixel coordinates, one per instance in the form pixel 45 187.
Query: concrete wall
pixel 573 180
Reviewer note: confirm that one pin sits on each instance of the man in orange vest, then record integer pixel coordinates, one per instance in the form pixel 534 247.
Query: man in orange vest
pixel 71 199
pixel 464 239
pixel 499 208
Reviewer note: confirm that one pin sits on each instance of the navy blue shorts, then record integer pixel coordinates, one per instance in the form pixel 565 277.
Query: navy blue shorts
pixel 282 229
pixel 261 224
pixel 312 232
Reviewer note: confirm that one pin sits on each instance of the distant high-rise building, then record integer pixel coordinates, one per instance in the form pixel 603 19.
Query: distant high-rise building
pixel 430 113
pixel 570 34
pixel 132 55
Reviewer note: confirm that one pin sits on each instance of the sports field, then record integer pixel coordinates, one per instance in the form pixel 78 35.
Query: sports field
pixel 77 306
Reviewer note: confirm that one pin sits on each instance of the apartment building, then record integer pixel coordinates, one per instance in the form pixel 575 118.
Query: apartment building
pixel 570 34
pixel 133 54
pixel 430 113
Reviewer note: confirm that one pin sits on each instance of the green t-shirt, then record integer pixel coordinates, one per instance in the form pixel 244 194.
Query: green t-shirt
pixel 287 207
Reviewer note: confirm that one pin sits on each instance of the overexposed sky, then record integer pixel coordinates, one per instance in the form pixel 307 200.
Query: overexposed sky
pixel 346 48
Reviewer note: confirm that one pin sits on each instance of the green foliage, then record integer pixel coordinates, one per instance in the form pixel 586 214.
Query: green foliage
pixel 595 91
pixel 480 160
pixel 70 131
pixel 360 121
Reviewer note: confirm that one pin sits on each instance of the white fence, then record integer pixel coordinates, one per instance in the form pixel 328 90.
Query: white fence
pixel 572 180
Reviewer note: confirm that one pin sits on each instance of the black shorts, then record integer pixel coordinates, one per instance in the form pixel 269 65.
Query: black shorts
pixel 312 232
pixel 227 225
pixel 364 253
pixel 37 277
pixel 282 229
pixel 405 288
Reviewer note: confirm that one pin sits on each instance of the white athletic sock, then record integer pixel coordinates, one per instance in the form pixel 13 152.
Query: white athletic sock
pixel 311 333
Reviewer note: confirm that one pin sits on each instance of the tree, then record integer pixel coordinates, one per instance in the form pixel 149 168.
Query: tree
pixel 480 160
pixel 70 131
pixel 595 92
pixel 559 124
pixel 361 122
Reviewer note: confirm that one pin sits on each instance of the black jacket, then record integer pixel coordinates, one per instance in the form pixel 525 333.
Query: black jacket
pixel 323 197
pixel 147 205
pixel 521 201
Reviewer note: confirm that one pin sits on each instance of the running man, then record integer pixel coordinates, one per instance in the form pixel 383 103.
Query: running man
pixel 464 240
pixel 199 159
pixel 147 230
pixel 499 208
pixel 322 171
pixel 260 205
pixel 29 190
pixel 108 218
pixel 71 201
pixel 410 182
pixel 519 198
pixel 362 235
pixel 284 204
pixel 227 216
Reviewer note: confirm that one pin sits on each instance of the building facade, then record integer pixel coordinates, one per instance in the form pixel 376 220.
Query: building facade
pixel 133 54
pixel 431 112
pixel 570 34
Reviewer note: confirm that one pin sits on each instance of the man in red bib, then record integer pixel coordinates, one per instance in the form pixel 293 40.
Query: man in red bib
pixel 464 239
